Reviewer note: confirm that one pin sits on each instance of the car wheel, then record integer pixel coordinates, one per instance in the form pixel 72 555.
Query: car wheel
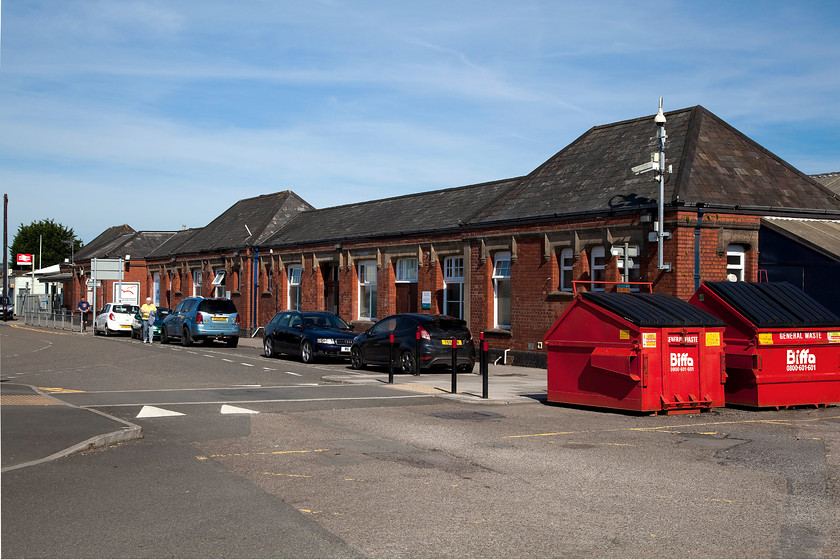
pixel 356 361
pixel 186 338
pixel 232 342
pixel 268 347
pixel 407 362
pixel 164 339
pixel 306 354
pixel 107 331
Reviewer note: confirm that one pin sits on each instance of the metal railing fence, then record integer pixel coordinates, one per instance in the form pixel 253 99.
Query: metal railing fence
pixel 62 319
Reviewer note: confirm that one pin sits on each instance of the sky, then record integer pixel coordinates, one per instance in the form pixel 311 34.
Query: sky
pixel 163 114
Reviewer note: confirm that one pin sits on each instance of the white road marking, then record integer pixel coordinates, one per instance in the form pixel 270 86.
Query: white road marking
pixel 155 412
pixel 227 409
pixel 293 373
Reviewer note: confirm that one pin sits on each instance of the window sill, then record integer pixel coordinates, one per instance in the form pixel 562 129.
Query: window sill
pixel 557 295
pixel 499 332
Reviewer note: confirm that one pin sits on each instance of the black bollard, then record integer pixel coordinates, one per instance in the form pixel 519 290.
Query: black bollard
pixel 483 368
pixel 391 359
pixel 454 366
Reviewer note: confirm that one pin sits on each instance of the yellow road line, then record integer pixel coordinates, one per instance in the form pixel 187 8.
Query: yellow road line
pixel 38 330
pixel 665 429
pixel 248 453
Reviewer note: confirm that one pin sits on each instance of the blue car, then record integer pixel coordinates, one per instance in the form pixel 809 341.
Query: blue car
pixel 308 334
pixel 202 319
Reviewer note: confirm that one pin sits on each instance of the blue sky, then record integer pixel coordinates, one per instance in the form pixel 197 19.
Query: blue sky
pixel 162 114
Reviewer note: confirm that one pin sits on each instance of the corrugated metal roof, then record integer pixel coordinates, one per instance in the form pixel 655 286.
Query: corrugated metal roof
pixel 822 236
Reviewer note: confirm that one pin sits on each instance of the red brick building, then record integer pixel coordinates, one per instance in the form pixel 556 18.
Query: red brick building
pixel 505 255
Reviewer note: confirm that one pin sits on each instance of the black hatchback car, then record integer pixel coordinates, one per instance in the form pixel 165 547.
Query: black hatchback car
pixel 437 334
pixel 308 334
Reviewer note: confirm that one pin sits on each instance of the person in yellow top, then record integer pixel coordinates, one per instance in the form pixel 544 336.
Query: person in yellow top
pixel 148 313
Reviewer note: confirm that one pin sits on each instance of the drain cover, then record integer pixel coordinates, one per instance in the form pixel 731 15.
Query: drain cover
pixel 467 415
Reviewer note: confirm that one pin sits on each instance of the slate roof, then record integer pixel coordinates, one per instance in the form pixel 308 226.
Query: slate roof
pixel 263 215
pixel 171 245
pixel 829 180
pixel 712 164
pixel 431 211
pixel 137 244
pixel 821 236
pixel 107 237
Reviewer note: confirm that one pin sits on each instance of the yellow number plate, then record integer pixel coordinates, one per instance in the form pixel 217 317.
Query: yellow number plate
pixel 220 319
pixel 448 342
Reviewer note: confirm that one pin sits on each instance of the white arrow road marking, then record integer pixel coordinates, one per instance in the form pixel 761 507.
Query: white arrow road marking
pixel 227 409
pixel 155 412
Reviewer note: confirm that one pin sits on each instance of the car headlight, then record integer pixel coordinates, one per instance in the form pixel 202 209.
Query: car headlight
pixel 326 341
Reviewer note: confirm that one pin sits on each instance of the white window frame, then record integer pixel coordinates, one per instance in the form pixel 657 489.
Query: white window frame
pixel 501 278
pixel 218 283
pixel 597 272
pixel 567 267
pixel 735 272
pixel 405 271
pixel 453 275
pixel 196 283
pixel 367 289
pixel 294 291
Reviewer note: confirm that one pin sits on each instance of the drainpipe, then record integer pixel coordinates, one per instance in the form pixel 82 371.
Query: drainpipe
pixel 254 292
pixel 697 246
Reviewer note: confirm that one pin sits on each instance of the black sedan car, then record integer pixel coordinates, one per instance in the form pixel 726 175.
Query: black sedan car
pixel 437 334
pixel 308 334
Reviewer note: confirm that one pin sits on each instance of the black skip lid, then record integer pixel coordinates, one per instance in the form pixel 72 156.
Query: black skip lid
pixel 653 310
pixel 774 304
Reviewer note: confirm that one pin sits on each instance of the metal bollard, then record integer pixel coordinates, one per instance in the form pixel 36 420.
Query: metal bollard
pixel 483 363
pixel 391 359
pixel 454 366
pixel 417 351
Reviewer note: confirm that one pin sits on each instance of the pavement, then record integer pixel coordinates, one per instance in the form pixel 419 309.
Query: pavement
pixel 56 429
pixel 53 428
pixel 505 384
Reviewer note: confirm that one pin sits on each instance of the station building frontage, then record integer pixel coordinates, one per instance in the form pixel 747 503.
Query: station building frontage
pixel 507 256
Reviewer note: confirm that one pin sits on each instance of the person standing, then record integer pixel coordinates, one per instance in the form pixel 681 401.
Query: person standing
pixel 148 313
pixel 84 306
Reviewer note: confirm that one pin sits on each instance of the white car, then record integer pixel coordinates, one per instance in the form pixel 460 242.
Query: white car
pixel 114 318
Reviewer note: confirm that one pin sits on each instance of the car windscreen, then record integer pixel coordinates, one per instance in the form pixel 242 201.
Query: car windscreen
pixel 324 321
pixel 162 312
pixel 217 306
pixel 122 309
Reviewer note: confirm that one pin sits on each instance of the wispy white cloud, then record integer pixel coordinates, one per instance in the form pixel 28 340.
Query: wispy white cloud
pixel 200 103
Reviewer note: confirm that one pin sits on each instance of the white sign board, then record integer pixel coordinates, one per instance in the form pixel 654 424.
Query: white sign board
pixel 129 293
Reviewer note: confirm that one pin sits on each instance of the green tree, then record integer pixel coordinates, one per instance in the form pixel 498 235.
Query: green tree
pixel 52 240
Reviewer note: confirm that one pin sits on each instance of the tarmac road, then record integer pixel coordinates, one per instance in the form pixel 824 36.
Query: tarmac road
pixel 433 475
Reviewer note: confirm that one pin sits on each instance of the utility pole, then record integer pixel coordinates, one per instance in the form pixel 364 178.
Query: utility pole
pixel 657 163
pixel 5 245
